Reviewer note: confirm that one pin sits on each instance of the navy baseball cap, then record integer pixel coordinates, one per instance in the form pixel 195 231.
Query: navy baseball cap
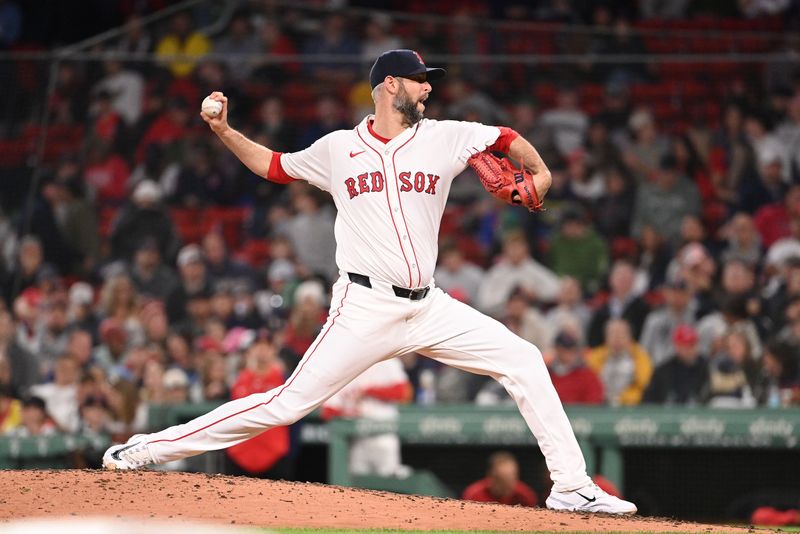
pixel 401 63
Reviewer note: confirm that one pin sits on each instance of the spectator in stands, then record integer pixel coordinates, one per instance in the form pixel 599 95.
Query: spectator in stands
pixel 780 254
pixel 75 220
pixel 648 148
pixel 81 311
pixel 144 217
pixel 310 231
pixel 766 186
pixel 329 117
pixel 69 102
pixel 574 381
pixel 52 333
pixel 743 240
pixel 732 316
pixel 274 41
pixel 570 309
pixel 159 167
pixel 525 320
pixel 61 395
pixel 465 99
pixel 239 46
pixel 613 115
pixel 150 393
pixel 622 303
pixel 96 424
pixel 585 181
pixel 35 421
pixel 516 269
pixel 623 40
pixel 197 313
pixel 110 353
pixel 305 321
pixel 136 39
pixel 201 182
pixel 374 395
pixel 79 347
pixel 694 231
pixel 457 276
pixel 578 251
pixel 526 119
pixel 182 40
pixel 694 264
pixel 664 202
pixel 272 122
pixel 653 258
pixel 502 484
pixel 125 91
pixel 265 455
pixel 567 122
pixel 779 383
pixel 660 326
pixel 176 387
pixel 333 39
pixel 119 300
pixel 170 127
pixel 379 37
pixel 683 378
pixel 788 132
pixel 214 379
pixel 23 366
pixel 10 408
pixel 773 220
pixel 765 143
pixel 28 264
pixel 155 325
pixel 789 320
pixel 623 365
pixel 150 277
pixel 219 264
pixel 179 351
pixel 786 289
pixel 733 374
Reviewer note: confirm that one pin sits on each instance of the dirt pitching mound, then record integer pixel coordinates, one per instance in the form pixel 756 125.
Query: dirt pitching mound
pixel 246 501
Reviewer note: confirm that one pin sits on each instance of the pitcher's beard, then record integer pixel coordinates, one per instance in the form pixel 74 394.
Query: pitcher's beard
pixel 407 108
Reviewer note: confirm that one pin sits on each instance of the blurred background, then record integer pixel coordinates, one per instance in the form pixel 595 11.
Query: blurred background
pixel 146 275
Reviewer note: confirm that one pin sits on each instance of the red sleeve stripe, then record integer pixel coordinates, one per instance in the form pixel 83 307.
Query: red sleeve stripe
pixel 276 173
pixel 503 143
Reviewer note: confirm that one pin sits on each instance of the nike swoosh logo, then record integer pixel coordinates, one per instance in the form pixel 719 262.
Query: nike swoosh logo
pixel 115 454
pixel 579 493
pixel 354 154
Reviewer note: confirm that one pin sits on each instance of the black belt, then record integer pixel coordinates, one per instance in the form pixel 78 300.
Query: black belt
pixel 402 292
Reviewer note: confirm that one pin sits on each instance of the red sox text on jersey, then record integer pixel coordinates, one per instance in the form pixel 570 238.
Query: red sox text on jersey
pixel 372 182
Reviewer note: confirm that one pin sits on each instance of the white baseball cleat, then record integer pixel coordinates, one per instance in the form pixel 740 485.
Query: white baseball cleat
pixel 589 498
pixel 131 455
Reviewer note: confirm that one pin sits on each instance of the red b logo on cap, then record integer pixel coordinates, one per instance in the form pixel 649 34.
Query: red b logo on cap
pixel 419 57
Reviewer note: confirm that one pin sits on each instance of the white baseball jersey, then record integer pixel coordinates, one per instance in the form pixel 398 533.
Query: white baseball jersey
pixel 390 197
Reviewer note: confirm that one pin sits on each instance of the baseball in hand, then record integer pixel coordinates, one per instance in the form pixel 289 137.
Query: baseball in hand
pixel 211 107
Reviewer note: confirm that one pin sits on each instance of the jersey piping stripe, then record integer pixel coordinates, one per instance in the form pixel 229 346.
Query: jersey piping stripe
pixel 397 187
pixel 286 385
pixel 389 206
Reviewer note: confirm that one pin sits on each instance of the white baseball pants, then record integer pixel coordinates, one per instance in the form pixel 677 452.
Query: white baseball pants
pixel 367 325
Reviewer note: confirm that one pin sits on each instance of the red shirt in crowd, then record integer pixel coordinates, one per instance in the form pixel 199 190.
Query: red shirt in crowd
pixel 522 494
pixel 579 386
pixel 258 454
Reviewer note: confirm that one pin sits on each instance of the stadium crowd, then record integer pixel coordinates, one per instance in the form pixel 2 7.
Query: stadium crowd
pixel 665 270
